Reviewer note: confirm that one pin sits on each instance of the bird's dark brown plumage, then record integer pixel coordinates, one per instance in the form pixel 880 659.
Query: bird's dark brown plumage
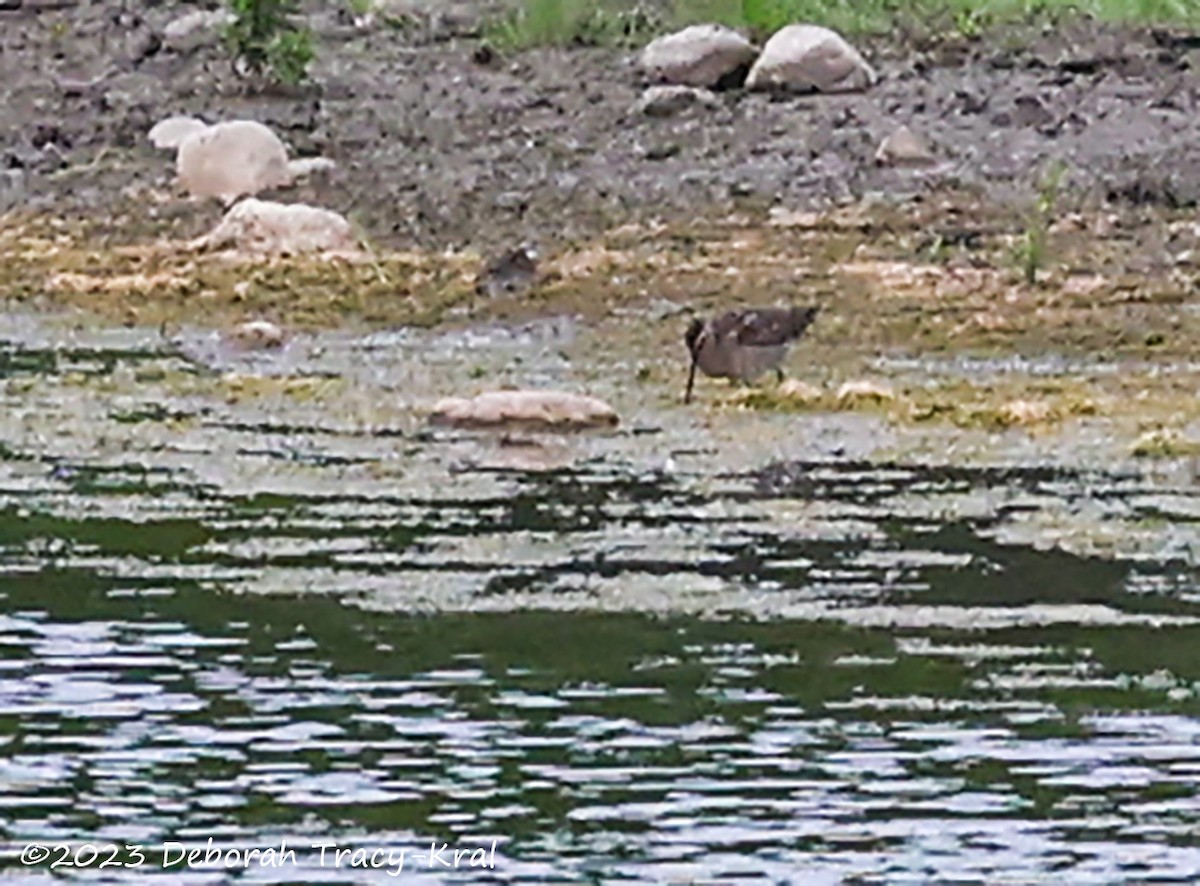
pixel 744 344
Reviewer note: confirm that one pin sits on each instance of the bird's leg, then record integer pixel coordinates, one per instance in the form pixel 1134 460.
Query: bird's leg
pixel 687 396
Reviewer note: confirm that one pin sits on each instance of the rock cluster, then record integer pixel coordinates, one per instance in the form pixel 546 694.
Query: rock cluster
pixel 797 58
pixel 684 66
pixel 240 158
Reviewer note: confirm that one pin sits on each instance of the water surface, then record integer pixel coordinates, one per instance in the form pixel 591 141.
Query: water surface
pixel 253 599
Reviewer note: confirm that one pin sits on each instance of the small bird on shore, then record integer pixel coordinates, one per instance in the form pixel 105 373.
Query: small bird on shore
pixel 510 274
pixel 742 345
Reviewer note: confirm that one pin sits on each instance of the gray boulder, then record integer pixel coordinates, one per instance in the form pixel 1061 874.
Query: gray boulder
pixel 700 55
pixel 809 58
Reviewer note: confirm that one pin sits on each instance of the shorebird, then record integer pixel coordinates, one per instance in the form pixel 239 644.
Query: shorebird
pixel 510 274
pixel 743 345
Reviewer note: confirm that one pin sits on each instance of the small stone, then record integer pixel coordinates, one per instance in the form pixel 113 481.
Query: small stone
pixel 513 201
pixel 798 391
pixel 700 55
pixel 809 58
pixel 545 410
pixel 12 189
pixel 904 148
pixel 1031 111
pixel 666 101
pixel 143 44
pixel 662 152
pixel 1023 412
pixel 195 29
pixel 257 335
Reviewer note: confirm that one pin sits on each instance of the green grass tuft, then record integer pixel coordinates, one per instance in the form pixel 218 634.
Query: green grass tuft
pixel 263 39
pixel 1032 248
pixel 632 23
pixel 574 23
pixel 969 17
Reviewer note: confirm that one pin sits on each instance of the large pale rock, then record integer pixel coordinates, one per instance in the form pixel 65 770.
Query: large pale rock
pixel 265 227
pixel 232 159
pixel 701 55
pixel 809 58
pixel 237 158
pixel 170 133
pixel 549 410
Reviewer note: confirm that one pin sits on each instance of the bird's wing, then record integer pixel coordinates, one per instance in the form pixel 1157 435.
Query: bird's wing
pixel 769 327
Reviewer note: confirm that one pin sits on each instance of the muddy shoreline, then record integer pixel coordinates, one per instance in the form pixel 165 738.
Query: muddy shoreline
pixel 444 162
pixel 436 150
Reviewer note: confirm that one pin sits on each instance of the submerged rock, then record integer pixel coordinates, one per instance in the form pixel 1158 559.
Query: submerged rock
pixel 853 393
pixel 809 58
pixel 233 159
pixel 550 410
pixel 799 391
pixel 700 55
pixel 1023 412
pixel 790 394
pixel 266 227
pixel 254 335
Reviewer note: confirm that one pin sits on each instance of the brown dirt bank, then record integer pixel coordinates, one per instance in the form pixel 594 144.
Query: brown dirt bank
pixel 436 150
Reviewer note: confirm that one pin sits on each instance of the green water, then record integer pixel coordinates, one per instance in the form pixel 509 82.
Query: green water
pixel 661 658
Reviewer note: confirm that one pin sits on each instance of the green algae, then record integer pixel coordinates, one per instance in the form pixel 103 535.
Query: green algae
pixel 1164 443
pixel 868 265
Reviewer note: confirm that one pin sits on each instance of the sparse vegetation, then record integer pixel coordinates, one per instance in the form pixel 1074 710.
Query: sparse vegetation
pixel 1164 443
pixel 624 22
pixel 968 17
pixel 1032 246
pixel 575 23
pixel 265 41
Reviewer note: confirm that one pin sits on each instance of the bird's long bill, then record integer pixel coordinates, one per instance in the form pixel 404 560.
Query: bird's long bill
pixel 687 397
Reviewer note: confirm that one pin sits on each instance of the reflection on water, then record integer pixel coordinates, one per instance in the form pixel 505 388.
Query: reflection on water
pixel 267 625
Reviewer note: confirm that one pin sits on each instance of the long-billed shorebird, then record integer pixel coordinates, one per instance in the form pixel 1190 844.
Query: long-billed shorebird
pixel 743 345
